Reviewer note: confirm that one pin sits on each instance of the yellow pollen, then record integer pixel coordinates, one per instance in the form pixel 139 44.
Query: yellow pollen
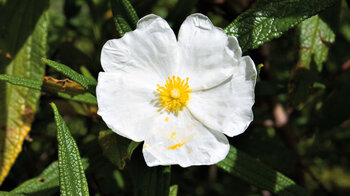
pixel 179 145
pixel 166 119
pixel 174 95
pixel 172 135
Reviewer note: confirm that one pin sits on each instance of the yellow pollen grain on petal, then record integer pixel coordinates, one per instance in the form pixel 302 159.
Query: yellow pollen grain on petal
pixel 146 146
pixel 174 95
pixel 178 145
pixel 172 135
pixel 166 119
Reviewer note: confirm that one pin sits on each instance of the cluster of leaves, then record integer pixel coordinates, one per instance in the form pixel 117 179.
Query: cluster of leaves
pixel 302 100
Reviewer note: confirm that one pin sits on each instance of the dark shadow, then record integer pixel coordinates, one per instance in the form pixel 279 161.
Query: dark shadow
pixel 256 173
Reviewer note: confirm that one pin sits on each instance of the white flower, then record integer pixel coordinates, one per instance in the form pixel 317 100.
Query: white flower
pixel 179 96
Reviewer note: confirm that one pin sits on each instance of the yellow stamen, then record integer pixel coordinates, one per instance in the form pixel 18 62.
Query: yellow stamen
pixel 174 95
pixel 179 145
pixel 172 135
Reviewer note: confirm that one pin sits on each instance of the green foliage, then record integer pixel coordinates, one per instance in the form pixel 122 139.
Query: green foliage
pixel 173 190
pixel 71 172
pixel 271 18
pixel 44 184
pixel 301 115
pixel 254 172
pixel 87 83
pixel 20 81
pixel 125 17
pixel 116 148
pixel 37 85
pixel 315 36
pixel 149 181
pixel 23 46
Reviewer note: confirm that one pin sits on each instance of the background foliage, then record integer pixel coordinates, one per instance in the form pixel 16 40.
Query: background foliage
pixel 298 143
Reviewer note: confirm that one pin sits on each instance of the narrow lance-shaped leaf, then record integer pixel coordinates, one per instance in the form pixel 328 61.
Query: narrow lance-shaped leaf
pixel 47 183
pixel 44 184
pixel 71 172
pixel 18 104
pixel 270 19
pixel 254 172
pixel 124 15
pixel 86 82
pixel 116 148
pixel 19 81
pixel 3 193
pixel 71 91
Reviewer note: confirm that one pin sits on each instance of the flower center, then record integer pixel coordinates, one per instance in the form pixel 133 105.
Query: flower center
pixel 174 95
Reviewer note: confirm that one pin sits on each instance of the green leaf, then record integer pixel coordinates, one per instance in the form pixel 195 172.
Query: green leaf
pixel 149 181
pixel 173 190
pixel 3 193
pixel 24 42
pixel 49 86
pixel 15 80
pixel 125 17
pixel 87 73
pixel 270 19
pixel 116 148
pixel 315 38
pixel 86 82
pixel 44 184
pixel 85 98
pixel 18 21
pixel 71 172
pixel 254 172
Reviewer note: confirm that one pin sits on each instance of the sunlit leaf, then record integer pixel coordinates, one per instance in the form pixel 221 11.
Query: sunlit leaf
pixel 18 104
pixel 270 19
pixel 71 172
pixel 63 88
pixel 87 83
pixel 173 190
pixel 315 38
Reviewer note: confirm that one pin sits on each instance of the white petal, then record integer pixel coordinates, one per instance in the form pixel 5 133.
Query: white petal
pixel 125 103
pixel 185 141
pixel 208 53
pixel 152 47
pixel 228 107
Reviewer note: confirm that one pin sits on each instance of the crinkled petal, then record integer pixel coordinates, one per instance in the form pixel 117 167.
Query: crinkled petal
pixel 126 103
pixel 208 54
pixel 152 47
pixel 183 140
pixel 228 107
